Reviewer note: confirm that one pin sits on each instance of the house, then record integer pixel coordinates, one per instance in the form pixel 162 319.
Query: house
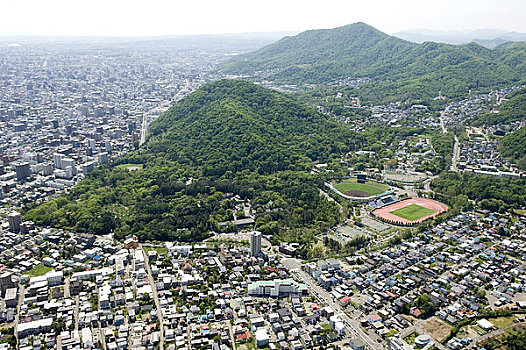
pixel 415 312
pixel 357 344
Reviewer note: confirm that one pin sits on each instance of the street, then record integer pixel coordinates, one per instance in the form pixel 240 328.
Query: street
pixel 155 298
pixel 294 266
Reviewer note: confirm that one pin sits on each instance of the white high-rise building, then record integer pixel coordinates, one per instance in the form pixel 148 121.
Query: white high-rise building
pixel 57 160
pixel 68 164
pixel 255 243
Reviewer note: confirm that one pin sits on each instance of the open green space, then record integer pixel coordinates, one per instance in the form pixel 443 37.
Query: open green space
pixel 371 188
pixel 129 166
pixel 503 322
pixel 412 212
pixel 38 270
pixel 159 250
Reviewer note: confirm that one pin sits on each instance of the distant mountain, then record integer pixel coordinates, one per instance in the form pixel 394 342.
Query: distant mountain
pixel 489 38
pixel 229 137
pixel 400 69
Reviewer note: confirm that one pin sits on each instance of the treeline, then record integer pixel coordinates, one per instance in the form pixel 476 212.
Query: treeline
pixel 513 146
pixel 485 189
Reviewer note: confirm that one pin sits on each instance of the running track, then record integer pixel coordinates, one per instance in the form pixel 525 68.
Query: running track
pixel 384 213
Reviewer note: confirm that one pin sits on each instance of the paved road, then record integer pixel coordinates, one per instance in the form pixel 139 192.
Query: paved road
pixel 21 292
pixel 442 121
pixel 155 298
pixel 456 155
pixel 492 334
pixel 294 266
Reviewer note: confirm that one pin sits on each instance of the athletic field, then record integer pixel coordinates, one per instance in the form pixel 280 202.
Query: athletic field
pixel 410 211
pixel 352 188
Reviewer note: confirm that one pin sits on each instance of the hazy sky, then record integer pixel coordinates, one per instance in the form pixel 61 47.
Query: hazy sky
pixel 173 17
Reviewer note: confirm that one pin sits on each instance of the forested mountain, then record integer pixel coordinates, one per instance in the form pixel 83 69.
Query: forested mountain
pixel 229 137
pixel 513 147
pixel 235 126
pixel 398 68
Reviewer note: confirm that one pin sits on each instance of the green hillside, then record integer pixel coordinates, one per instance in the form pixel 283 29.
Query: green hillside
pixel 235 126
pixel 230 137
pixel 511 110
pixel 400 69
pixel 513 147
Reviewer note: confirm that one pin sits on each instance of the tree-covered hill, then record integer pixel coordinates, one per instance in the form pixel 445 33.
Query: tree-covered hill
pixel 513 147
pixel 235 126
pixel 228 137
pixel 400 69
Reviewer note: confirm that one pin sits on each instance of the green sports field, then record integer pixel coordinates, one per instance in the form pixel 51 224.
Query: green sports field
pixel 412 212
pixel 352 188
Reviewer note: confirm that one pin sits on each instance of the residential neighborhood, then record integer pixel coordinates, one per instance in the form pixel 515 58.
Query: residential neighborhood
pixel 68 291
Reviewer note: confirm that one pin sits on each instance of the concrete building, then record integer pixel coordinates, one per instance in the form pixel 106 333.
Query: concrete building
pixel 6 282
pixel 255 243
pixel 23 171
pixel 276 288
pixel 15 219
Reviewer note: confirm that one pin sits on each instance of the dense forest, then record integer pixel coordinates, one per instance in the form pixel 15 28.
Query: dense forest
pixel 492 193
pixel 513 147
pixel 399 69
pixel 227 138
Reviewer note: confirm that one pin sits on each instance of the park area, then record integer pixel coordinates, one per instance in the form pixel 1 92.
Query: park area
pixel 410 211
pixel 352 188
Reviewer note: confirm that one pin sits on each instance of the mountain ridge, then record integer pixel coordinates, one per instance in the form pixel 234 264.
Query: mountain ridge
pixel 398 68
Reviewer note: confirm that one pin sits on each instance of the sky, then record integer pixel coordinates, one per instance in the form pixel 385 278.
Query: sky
pixel 186 17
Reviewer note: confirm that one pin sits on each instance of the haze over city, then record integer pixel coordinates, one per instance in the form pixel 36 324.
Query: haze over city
pixel 162 17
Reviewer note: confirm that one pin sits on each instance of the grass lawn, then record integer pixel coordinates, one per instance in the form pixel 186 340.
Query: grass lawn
pixel 130 166
pixel 412 212
pixel 371 190
pixel 38 270
pixel 502 322
pixel 159 250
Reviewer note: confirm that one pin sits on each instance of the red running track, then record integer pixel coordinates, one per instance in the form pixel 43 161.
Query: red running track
pixel 384 213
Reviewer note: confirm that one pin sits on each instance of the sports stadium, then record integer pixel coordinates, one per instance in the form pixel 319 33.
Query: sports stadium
pixel 359 189
pixel 410 211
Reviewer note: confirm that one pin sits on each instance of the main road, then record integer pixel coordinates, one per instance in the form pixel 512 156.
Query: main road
pixel 155 298
pixel 456 155
pixel 294 266
pixel 442 121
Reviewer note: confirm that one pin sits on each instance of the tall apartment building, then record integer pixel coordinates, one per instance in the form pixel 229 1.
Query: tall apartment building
pixel 255 243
